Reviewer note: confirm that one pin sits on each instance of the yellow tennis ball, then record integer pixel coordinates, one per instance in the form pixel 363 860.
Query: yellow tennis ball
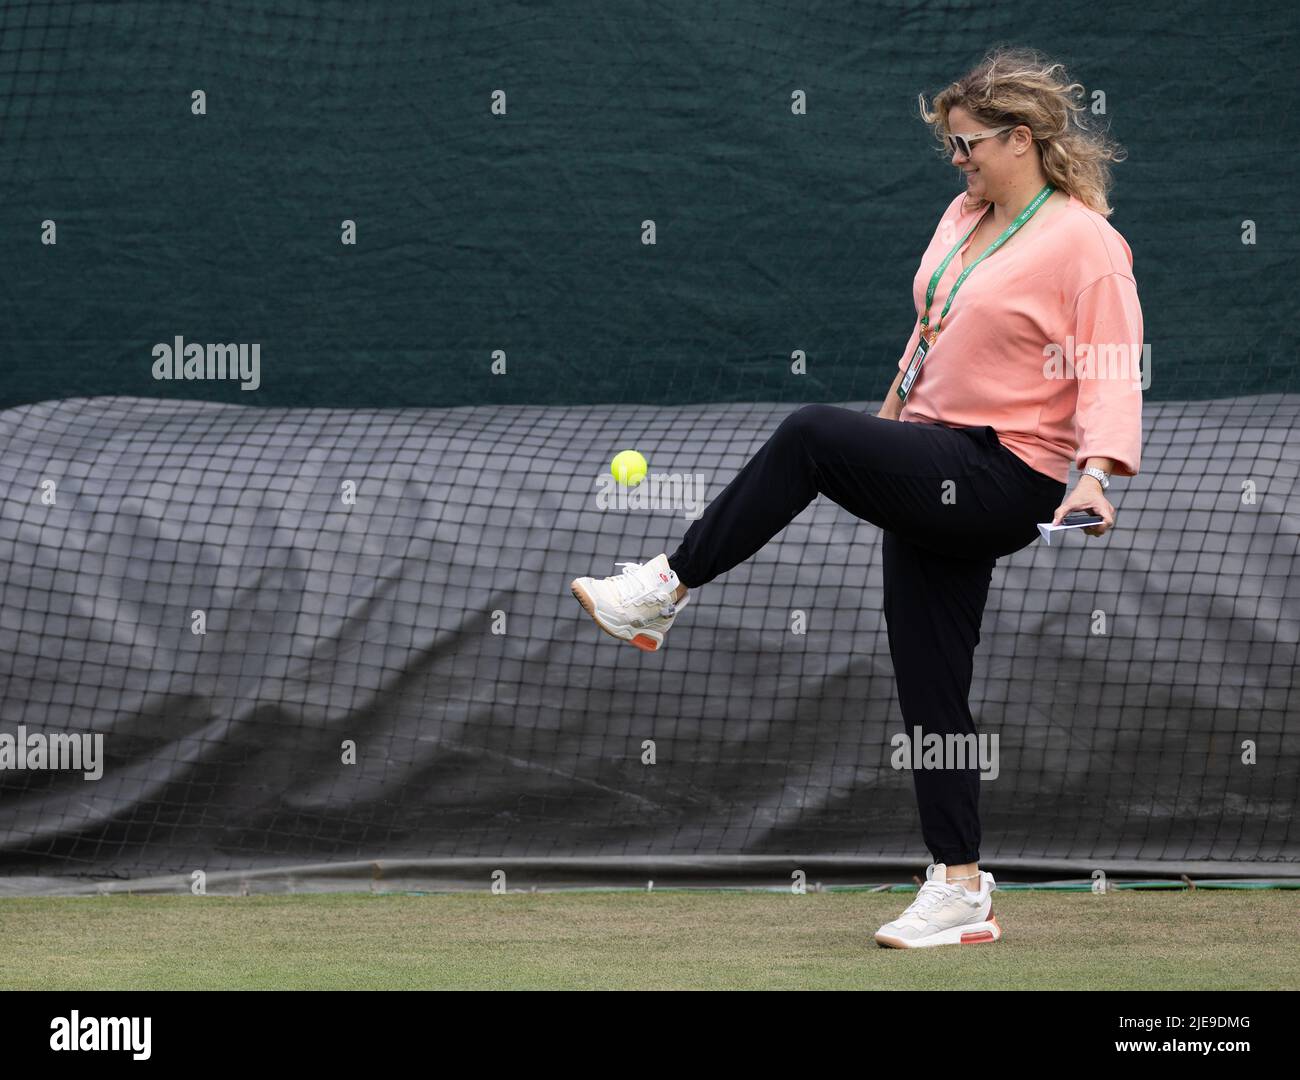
pixel 628 468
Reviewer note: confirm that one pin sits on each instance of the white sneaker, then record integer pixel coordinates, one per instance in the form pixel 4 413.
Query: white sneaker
pixel 944 914
pixel 637 605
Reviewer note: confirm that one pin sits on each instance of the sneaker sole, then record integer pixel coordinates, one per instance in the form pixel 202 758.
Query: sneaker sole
pixel 980 933
pixel 644 642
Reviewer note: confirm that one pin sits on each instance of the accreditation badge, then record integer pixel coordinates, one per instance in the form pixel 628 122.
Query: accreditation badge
pixel 913 368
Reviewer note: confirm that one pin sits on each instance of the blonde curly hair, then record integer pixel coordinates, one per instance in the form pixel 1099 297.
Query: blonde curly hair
pixel 1021 86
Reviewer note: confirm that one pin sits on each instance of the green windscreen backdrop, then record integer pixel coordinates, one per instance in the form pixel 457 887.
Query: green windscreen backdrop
pixel 481 234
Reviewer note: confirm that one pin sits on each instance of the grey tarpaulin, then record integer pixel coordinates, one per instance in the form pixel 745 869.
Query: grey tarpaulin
pixel 429 624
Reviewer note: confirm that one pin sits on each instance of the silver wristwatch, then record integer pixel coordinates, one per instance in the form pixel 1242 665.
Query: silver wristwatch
pixel 1100 475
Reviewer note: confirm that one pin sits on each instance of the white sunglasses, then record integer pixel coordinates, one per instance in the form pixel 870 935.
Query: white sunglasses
pixel 963 143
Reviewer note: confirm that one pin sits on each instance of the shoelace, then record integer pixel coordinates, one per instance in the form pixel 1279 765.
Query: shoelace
pixel 633 589
pixel 931 894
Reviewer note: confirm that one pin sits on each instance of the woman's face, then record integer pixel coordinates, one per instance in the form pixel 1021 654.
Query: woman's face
pixel 991 160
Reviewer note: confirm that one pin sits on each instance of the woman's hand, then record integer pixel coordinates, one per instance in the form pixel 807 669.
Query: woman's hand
pixel 891 406
pixel 1087 496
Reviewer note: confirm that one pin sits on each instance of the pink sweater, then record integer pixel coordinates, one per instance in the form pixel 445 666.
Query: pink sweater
pixel 1042 342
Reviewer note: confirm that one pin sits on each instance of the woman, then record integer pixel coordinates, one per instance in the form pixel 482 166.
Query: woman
pixel 973 445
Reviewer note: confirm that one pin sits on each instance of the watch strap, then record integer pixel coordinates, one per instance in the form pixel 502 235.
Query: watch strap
pixel 1100 475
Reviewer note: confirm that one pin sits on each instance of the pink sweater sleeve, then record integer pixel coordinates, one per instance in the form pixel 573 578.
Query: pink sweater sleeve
pixel 1108 417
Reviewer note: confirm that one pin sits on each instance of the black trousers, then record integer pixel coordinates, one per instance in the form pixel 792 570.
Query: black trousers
pixel 951 501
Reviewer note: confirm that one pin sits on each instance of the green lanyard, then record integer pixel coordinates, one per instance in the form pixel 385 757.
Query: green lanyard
pixel 1025 214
